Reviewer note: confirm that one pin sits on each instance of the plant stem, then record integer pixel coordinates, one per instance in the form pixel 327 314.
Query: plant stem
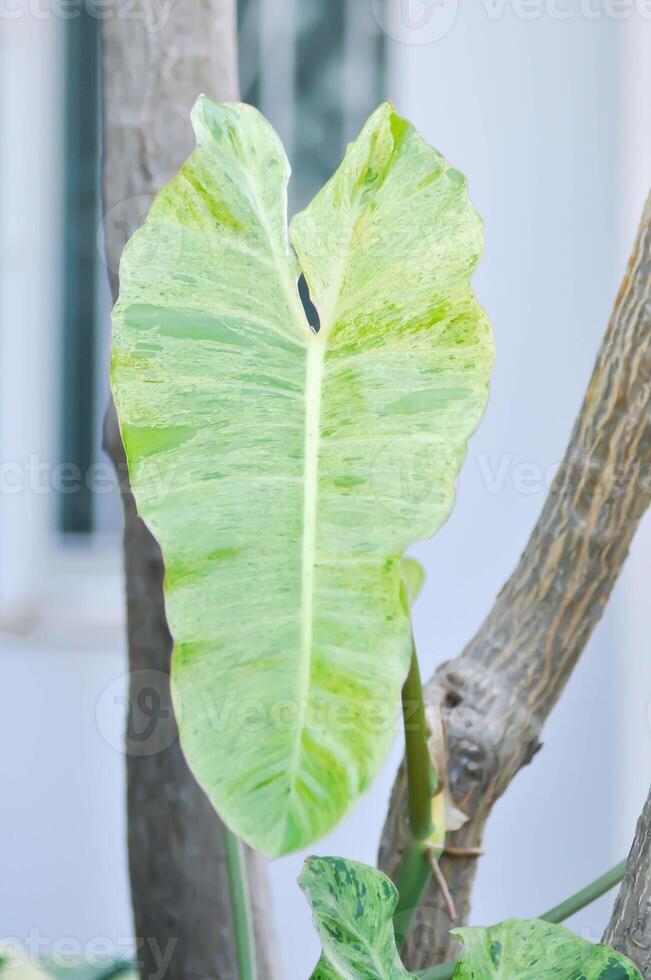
pixel 414 870
pixel 587 895
pixel 239 895
pixel 411 881
pixel 558 914
pixel 420 784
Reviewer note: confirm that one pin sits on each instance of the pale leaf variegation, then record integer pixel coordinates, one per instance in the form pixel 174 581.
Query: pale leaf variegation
pixel 531 949
pixel 352 908
pixel 284 472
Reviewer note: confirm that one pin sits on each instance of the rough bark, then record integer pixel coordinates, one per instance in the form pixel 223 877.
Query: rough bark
pixel 157 58
pixel 497 694
pixel 629 929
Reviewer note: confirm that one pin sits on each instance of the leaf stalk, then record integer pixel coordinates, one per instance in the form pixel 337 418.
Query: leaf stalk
pixel 414 870
pixel 240 905
pixel 587 895
pixel 421 779
pixel 559 913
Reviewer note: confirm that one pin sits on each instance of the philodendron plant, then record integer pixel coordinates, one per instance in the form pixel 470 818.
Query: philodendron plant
pixel 284 466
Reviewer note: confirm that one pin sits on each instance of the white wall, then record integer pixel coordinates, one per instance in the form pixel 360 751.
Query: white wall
pixel 62 822
pixel 30 247
pixel 62 826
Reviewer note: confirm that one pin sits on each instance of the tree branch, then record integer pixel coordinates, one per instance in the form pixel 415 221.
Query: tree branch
pixel 629 929
pixel 154 66
pixel 497 694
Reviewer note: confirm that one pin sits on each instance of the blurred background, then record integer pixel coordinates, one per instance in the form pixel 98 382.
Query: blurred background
pixel 544 105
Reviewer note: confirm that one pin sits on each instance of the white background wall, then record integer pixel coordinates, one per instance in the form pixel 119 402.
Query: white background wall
pixel 30 88
pixel 549 119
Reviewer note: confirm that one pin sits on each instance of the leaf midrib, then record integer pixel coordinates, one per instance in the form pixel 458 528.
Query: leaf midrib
pixel 315 361
pixel 316 348
pixel 313 397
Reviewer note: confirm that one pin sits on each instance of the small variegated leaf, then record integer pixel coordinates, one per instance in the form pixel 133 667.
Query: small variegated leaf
pixel 530 949
pixel 352 906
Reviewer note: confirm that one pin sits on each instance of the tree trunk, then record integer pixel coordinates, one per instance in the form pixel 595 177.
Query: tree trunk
pixel 156 59
pixel 629 929
pixel 497 694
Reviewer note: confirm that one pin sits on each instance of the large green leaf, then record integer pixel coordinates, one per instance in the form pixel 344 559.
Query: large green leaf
pixel 535 950
pixel 284 471
pixel 352 907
